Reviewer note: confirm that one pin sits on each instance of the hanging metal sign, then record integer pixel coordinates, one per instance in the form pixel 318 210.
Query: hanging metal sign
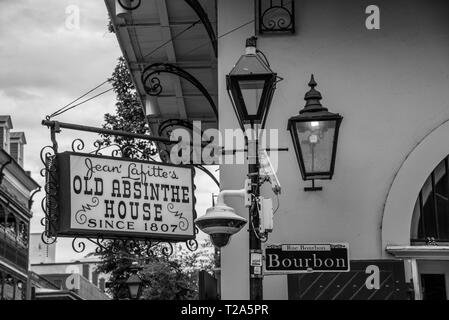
pixel 298 258
pixel 113 197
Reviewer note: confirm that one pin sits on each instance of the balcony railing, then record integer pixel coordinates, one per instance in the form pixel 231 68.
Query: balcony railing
pixel 13 248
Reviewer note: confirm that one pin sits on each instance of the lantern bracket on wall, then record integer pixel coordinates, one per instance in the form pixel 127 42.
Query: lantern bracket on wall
pixel 276 16
pixel 315 136
pixel 153 87
pixel 313 187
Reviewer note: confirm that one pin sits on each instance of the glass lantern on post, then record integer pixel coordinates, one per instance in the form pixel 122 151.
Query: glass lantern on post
pixel 315 136
pixel 251 85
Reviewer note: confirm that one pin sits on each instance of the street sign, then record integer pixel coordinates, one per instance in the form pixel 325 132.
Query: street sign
pixel 299 258
pixel 114 197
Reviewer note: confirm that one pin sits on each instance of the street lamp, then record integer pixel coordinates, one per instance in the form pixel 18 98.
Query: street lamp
pixel 251 85
pixel 315 135
pixel 134 284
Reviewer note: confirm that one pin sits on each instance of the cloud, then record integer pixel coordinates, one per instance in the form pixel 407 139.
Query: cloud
pixel 44 65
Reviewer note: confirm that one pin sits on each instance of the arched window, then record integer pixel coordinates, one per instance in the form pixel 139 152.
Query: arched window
pixel 431 215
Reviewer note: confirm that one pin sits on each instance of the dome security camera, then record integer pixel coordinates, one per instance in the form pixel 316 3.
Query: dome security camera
pixel 221 222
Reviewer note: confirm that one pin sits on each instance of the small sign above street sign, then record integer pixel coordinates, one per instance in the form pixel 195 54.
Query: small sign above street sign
pixel 115 198
pixel 299 258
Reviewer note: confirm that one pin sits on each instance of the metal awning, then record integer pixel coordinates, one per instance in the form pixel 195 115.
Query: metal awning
pixel 172 44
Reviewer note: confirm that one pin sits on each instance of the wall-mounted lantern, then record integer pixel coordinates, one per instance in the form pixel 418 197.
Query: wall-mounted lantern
pixel 251 85
pixel 315 135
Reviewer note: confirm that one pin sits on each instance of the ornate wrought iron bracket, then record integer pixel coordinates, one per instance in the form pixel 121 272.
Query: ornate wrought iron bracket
pixel 276 16
pixel 201 13
pixel 195 5
pixel 153 87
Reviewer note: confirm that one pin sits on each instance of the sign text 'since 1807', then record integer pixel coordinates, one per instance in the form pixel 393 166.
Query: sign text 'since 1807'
pixel 116 197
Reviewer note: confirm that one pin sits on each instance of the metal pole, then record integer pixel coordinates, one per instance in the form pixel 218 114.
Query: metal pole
pixel 255 245
pixel 78 127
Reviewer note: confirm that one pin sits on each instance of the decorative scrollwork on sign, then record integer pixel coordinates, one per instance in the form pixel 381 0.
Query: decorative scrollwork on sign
pixel 166 248
pixel 183 222
pixel 77 145
pixel 192 245
pixel 47 240
pixel 49 203
pixel 99 243
pixel 153 87
pixel 78 245
pixel 80 215
pixel 276 16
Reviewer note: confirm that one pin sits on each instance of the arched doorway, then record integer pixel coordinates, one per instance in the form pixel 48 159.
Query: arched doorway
pixel 415 224
pixel 430 227
pixel 430 223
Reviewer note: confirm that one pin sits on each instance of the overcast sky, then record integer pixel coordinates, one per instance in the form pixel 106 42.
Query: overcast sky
pixel 45 63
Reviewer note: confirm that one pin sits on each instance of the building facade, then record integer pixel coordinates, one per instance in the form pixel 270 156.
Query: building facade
pixel 388 197
pixel 16 191
pixel 385 69
pixel 72 279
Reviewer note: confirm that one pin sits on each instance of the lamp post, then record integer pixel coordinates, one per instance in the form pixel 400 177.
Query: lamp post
pixel 251 85
pixel 315 135
pixel 134 284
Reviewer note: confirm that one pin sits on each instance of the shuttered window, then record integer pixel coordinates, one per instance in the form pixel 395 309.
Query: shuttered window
pixel 14 151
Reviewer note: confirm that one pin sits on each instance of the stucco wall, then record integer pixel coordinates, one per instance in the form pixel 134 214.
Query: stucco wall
pixel 391 86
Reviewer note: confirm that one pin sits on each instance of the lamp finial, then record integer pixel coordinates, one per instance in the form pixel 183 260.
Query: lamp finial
pixel 313 98
pixel 312 82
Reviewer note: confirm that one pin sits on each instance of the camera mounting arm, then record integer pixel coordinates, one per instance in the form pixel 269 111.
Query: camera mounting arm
pixel 244 193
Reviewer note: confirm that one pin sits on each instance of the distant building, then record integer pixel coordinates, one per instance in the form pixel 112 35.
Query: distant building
pixel 86 268
pixel 16 189
pixel 64 286
pixel 80 277
pixel 41 252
